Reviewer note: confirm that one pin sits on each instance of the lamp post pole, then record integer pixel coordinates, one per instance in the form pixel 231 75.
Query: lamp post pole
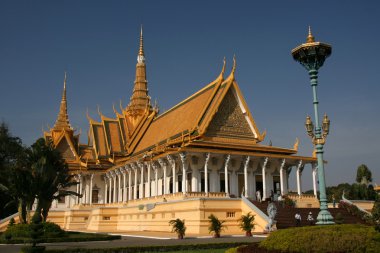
pixel 312 56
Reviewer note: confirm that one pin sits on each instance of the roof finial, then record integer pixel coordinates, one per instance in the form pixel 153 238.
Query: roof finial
pixel 234 66
pixel 310 37
pixel 221 75
pixel 141 50
pixel 232 74
pixel 62 121
pixel 64 87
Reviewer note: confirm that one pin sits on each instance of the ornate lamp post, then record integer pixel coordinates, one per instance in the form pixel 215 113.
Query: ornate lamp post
pixel 312 55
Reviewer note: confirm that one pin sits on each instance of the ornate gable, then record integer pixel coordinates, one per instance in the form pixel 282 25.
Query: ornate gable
pixel 229 121
pixel 64 148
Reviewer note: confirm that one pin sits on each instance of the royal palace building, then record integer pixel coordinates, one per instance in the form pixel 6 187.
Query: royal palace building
pixel 203 156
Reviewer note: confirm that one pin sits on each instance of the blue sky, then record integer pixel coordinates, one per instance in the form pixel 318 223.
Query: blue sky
pixel 185 42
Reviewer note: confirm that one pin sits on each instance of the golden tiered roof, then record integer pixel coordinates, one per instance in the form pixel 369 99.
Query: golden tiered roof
pixel 214 119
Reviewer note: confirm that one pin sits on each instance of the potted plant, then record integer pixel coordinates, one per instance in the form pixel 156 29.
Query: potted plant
pixel 216 226
pixel 178 226
pixel 246 223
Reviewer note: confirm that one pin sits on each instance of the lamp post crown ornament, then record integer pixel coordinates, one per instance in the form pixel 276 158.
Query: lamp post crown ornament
pixel 312 55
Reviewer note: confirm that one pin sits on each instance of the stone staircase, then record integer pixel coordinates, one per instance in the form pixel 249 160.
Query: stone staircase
pixel 285 215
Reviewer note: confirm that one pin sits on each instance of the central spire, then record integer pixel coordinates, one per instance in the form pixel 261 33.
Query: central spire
pixel 62 122
pixel 140 101
pixel 141 56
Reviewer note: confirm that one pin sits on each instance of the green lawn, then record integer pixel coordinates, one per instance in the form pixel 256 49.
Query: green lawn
pixel 200 251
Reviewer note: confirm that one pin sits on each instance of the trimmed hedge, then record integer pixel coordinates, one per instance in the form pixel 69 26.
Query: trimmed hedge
pixel 329 238
pixel 20 233
pixel 161 248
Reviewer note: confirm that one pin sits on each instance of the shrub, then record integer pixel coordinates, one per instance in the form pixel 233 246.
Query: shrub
pixel 18 231
pixel 11 222
pixel 376 215
pixel 232 250
pixel 289 202
pixel 334 238
pixel 246 223
pixel 339 218
pixel 52 230
pixel 216 226
pixel 178 226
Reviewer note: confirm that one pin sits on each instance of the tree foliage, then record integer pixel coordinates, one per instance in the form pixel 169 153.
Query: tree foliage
pixel 246 223
pixel 30 174
pixel 50 175
pixel 178 226
pixel 376 215
pixel 215 225
pixel 363 175
pixel 12 174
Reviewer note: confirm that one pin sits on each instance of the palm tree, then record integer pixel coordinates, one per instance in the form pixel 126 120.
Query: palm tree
pixel 216 226
pixel 50 175
pixel 178 226
pixel 246 223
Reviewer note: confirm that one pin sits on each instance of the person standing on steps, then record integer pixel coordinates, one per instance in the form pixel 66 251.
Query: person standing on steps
pixel 298 219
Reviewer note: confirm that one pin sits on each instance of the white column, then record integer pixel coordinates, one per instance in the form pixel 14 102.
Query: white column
pixel 206 172
pixel 264 178
pixel 299 174
pixel 124 171
pixel 246 162
pixel 155 167
pixel 135 187
pixel 78 187
pixel 282 177
pixel 105 189
pixel 164 179
pixel 315 170
pixel 114 187
pixel 87 189
pixel 118 173
pixel 129 184
pixel 141 189
pixel 194 179
pixel 184 169
pixel 91 178
pixel 110 186
pixel 148 193
pixel 287 173
pixel 252 179
pixel 214 180
pixel 226 163
pixel 172 164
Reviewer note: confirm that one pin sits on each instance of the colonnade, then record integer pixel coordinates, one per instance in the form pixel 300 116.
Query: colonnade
pixel 195 172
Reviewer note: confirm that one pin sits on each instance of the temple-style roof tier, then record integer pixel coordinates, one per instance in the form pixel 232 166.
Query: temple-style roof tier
pixel 215 119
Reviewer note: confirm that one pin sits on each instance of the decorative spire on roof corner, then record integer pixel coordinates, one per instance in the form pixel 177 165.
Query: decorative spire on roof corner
pixel 234 66
pixel 310 37
pixel 232 75
pixel 221 75
pixel 62 122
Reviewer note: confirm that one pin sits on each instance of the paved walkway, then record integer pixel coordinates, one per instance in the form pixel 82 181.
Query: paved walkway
pixel 139 239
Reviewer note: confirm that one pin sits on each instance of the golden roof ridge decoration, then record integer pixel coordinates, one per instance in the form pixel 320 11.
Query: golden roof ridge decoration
pixel 232 74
